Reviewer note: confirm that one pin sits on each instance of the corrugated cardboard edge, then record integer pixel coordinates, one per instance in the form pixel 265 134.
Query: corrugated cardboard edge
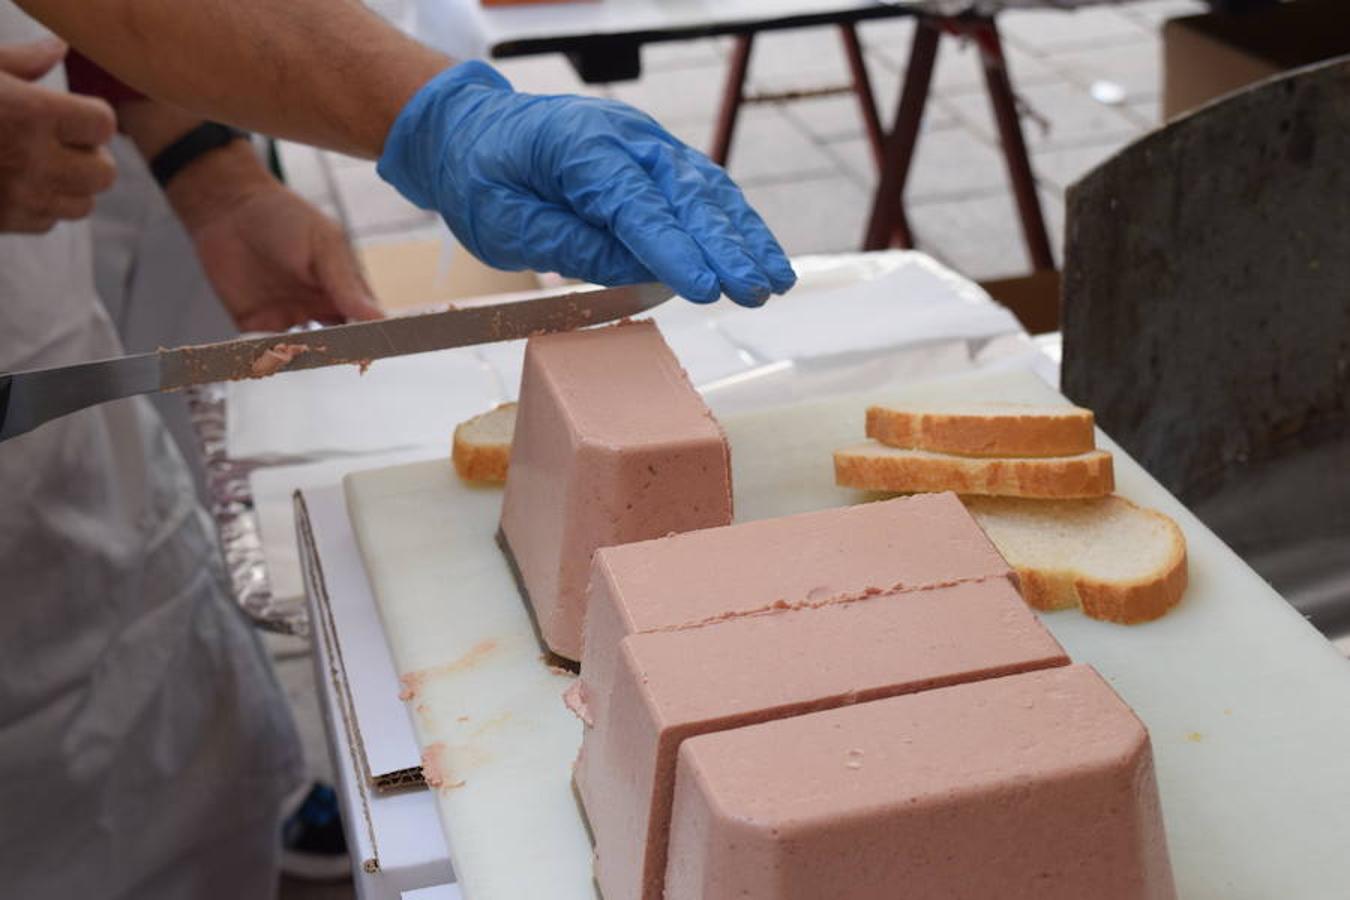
pixel 397 779
pixel 314 578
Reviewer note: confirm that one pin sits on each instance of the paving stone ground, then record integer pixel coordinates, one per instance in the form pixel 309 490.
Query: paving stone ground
pixel 806 165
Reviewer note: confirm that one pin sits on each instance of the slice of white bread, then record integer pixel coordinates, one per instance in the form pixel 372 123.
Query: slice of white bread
pixel 482 448
pixel 872 466
pixel 1119 562
pixel 984 429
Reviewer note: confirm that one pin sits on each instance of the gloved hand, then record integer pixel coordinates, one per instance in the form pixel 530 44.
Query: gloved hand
pixel 592 189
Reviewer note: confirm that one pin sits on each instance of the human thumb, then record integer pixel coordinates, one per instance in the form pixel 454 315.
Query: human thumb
pixel 341 278
pixel 30 61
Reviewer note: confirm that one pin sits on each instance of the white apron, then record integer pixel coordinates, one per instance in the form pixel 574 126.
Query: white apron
pixel 144 745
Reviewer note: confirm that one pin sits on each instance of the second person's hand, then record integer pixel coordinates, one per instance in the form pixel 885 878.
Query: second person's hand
pixel 273 258
pixel 592 189
pixel 53 158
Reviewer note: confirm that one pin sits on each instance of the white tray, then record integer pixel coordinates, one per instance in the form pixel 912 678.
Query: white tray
pixel 1248 706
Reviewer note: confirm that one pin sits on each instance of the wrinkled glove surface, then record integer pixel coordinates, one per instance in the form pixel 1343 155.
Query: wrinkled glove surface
pixel 592 189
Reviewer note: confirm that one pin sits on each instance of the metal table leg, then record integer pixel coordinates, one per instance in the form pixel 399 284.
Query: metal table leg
pixel 888 215
pixel 862 86
pixel 1004 104
pixel 733 94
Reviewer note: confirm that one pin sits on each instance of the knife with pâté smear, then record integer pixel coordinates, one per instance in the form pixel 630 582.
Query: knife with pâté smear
pixel 28 399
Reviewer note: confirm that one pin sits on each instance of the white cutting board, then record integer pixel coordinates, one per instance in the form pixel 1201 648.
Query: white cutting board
pixel 1248 706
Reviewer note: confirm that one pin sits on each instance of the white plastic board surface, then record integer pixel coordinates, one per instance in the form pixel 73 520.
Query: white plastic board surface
pixel 488 710
pixel 1247 705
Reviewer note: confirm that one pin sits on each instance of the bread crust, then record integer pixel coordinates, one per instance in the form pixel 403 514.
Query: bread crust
pixel 478 461
pixel 1085 475
pixel 984 434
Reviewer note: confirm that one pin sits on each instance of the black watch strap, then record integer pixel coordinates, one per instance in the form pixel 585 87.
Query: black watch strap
pixel 183 152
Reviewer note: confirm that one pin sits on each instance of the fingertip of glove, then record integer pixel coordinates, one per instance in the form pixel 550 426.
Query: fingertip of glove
pixel 752 295
pixel 751 301
pixel 702 288
pixel 780 273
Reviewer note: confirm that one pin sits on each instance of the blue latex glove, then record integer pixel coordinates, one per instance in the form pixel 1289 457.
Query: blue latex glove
pixel 592 189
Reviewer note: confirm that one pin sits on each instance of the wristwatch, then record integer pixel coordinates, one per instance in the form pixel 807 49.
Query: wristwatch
pixel 198 142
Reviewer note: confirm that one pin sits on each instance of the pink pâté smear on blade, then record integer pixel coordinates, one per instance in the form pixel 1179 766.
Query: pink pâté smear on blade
pixel 276 358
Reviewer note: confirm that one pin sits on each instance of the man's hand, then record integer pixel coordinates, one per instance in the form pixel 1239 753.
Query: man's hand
pixel 276 261
pixel 52 155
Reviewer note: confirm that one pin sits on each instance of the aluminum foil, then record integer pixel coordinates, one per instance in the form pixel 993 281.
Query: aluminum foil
pixel 231 506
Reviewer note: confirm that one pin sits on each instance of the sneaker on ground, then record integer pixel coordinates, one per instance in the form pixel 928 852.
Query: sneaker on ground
pixel 313 845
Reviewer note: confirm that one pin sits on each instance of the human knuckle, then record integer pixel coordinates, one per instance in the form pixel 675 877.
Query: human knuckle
pixel 76 207
pixel 105 173
pixel 34 224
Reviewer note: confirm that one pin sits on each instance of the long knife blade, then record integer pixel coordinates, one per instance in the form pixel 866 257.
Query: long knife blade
pixel 27 399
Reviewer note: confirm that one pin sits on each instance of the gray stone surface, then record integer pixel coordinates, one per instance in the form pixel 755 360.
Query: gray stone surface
pixel 1071 116
pixel 1051 29
pixel 1136 67
pixel 949 163
pixel 1059 167
pixel 825 214
pixel 769 146
pixel 981 233
pixel 800 59
pixel 674 95
pixel 684 54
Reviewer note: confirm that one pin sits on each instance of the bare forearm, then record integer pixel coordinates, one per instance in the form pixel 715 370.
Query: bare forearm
pixel 324 72
pixel 210 184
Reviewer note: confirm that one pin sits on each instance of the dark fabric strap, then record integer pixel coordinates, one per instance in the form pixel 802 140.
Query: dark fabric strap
pixel 198 142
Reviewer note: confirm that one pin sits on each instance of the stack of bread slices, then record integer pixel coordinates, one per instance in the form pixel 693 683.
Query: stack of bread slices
pixel 1037 483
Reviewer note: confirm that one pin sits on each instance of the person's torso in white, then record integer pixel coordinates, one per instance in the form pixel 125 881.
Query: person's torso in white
pixel 138 716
